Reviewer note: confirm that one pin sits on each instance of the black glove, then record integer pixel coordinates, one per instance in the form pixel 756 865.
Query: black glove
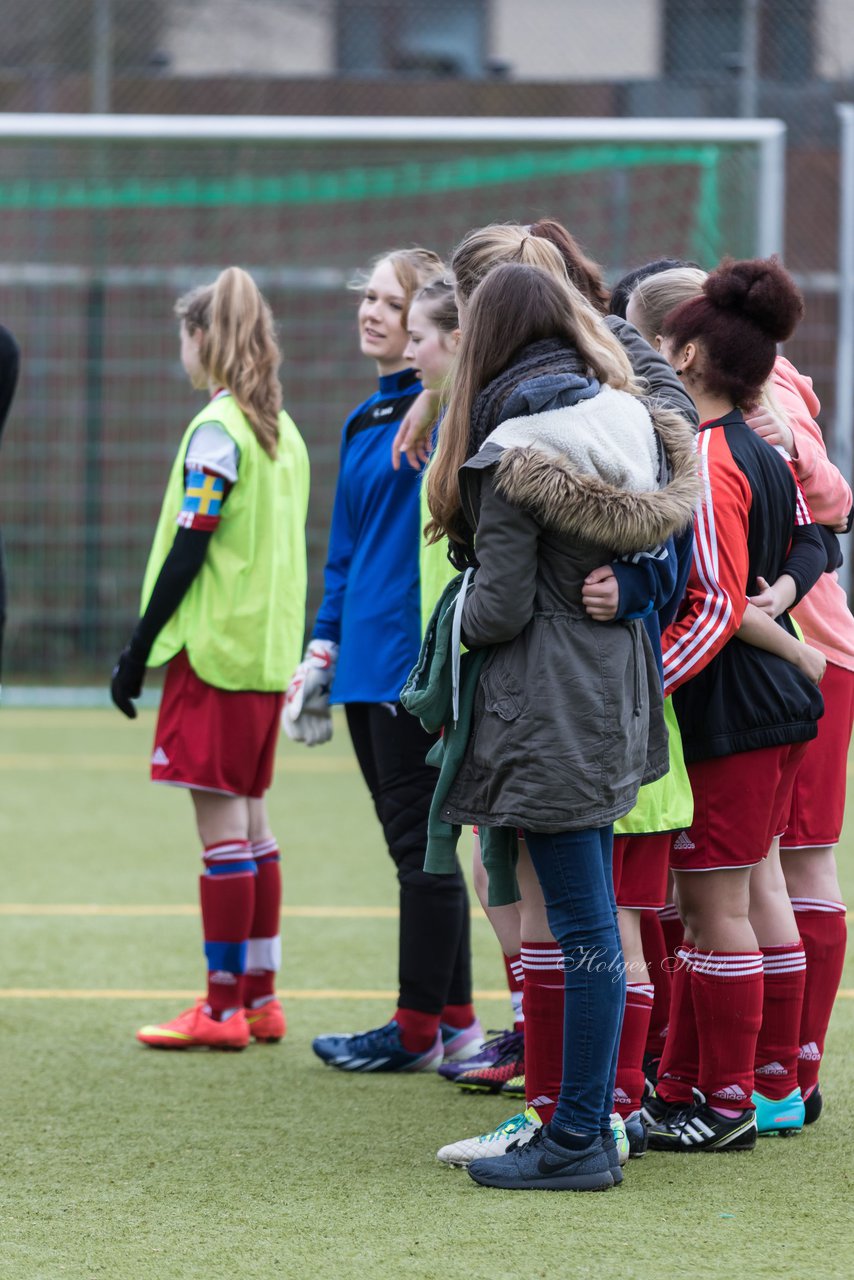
pixel 128 675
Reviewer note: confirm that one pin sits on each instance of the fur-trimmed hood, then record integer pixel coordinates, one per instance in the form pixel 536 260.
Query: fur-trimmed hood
pixel 613 470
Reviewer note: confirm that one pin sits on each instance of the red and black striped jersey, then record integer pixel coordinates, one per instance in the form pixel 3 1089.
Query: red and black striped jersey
pixel 730 696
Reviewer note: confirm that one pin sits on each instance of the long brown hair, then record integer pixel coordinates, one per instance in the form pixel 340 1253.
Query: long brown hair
pixel 238 347
pixel 514 306
pixel 585 274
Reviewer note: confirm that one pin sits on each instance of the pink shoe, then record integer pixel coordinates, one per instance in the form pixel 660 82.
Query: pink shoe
pixel 461 1043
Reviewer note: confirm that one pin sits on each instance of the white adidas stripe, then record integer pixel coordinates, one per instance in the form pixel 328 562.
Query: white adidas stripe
pixel 713 969
pixel 803 515
pixel 727 957
pixel 640 990
pixel 695 1131
pixel 716 611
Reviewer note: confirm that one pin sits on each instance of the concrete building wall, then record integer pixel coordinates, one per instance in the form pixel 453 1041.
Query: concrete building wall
pixel 577 39
pixel 264 37
pixel 572 40
pixel 836 39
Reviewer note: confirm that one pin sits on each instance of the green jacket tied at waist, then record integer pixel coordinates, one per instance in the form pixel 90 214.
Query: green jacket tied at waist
pixel 429 694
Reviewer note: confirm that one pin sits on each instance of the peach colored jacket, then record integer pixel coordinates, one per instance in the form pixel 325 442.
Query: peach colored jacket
pixel 823 614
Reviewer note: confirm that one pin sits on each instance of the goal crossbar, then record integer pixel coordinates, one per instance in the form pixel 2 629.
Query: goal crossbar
pixel 769 136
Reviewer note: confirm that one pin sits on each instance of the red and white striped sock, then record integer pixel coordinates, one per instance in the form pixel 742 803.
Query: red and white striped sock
pixel 776 1066
pixel 824 933
pixel 227 892
pixel 264 952
pixel 726 987
pixel 679 1068
pixel 628 1089
pixel 516 985
pixel 544 1000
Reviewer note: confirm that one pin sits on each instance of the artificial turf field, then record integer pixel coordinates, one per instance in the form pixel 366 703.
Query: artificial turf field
pixel 120 1161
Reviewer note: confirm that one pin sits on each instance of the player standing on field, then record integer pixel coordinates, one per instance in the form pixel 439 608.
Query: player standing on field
pixel 224 605
pixel 546 450
pixel 745 717
pixel 364 644
pixel 786 419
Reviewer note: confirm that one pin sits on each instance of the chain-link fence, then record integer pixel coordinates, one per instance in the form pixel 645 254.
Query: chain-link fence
pixel 635 57
pixel 91 364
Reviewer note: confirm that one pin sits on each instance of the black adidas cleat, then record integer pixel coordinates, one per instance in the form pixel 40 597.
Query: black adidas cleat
pixel 813 1103
pixel 651 1062
pixel 699 1127
pixel 655 1110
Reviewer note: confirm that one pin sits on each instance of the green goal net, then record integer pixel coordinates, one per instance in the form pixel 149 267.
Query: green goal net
pixel 106 220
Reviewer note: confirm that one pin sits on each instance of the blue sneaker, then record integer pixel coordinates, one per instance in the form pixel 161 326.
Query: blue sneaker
pixel 784 1118
pixel 378 1050
pixel 544 1165
pixel 637 1134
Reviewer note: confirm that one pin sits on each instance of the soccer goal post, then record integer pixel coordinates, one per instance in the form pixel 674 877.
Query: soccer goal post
pixel 107 218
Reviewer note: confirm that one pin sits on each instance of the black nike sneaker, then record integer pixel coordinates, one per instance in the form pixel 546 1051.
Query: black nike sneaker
pixel 544 1165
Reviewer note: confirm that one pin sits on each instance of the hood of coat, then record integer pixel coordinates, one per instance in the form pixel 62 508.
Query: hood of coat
pixel 594 470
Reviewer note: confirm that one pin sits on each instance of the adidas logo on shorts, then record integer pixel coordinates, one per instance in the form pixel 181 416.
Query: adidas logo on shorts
pixel 809 1052
pixel 771 1069
pixel 160 756
pixel 683 841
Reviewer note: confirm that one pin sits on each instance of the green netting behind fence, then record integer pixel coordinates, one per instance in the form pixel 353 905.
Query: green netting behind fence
pixel 97 238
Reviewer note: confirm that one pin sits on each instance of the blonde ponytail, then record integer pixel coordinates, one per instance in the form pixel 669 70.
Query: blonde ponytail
pixel 238 348
pixel 501 243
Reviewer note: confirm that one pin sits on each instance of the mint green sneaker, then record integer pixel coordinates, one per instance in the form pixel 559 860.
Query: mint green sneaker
pixel 514 1132
pixel 783 1119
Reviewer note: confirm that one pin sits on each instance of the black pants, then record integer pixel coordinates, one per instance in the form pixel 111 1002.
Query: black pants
pixel 435 952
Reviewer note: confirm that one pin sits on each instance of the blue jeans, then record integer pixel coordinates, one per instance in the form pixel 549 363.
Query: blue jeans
pixel 575 873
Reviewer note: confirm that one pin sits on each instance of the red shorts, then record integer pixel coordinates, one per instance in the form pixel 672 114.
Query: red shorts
pixel 818 799
pixel 640 870
pixel 212 739
pixel 740 803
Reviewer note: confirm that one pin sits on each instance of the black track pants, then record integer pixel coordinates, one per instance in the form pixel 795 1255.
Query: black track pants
pixel 435 954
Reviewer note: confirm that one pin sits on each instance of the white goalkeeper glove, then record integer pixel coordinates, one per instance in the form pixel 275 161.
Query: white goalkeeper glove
pixel 306 717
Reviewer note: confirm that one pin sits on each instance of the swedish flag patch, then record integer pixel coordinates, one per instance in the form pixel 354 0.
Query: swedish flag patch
pixel 203 494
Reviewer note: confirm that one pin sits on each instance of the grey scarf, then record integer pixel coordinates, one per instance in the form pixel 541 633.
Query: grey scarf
pixel 543 360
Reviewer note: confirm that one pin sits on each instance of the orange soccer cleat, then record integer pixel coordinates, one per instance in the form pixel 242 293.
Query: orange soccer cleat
pixel 195 1029
pixel 267 1023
